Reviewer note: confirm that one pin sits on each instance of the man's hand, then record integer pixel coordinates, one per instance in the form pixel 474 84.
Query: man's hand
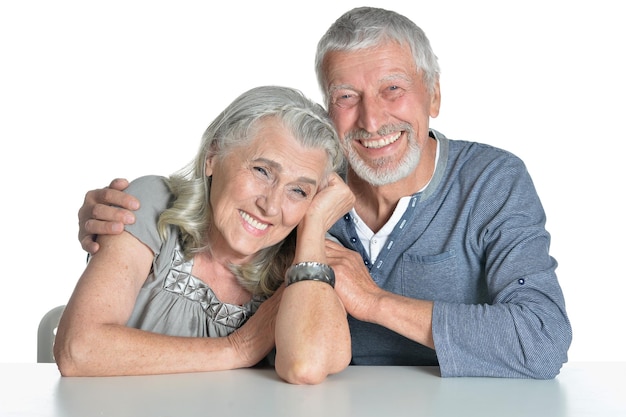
pixel 354 284
pixel 98 217
pixel 366 301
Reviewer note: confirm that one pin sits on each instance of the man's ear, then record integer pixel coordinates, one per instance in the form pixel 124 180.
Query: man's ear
pixel 435 100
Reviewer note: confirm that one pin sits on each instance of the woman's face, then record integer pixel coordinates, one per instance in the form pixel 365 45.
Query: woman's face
pixel 261 191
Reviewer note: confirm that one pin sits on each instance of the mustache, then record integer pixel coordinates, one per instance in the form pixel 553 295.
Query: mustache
pixel 362 134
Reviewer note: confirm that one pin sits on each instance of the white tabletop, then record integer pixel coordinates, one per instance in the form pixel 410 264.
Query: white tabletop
pixel 582 389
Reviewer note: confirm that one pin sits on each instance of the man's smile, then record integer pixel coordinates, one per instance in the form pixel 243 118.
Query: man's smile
pixel 381 142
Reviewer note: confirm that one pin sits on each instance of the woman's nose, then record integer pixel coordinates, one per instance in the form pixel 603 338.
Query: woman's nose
pixel 270 202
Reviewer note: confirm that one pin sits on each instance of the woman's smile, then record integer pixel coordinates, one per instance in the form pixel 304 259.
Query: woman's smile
pixel 255 224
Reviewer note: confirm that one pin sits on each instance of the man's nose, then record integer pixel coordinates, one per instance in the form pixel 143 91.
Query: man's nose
pixel 371 114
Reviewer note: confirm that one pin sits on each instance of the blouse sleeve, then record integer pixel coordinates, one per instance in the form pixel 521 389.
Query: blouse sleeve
pixel 154 197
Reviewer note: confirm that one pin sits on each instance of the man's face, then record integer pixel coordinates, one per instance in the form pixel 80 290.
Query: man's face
pixel 381 108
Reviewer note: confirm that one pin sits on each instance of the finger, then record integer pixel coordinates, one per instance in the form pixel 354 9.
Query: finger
pixel 92 228
pixel 101 220
pixel 111 196
pixel 89 245
pixel 335 179
pixel 119 184
pixel 108 213
pixel 98 203
pixel 99 227
pixel 332 245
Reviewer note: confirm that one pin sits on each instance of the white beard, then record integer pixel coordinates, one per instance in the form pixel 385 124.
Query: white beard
pixel 382 171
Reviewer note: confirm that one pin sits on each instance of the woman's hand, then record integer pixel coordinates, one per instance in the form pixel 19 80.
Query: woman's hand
pixel 255 339
pixel 330 203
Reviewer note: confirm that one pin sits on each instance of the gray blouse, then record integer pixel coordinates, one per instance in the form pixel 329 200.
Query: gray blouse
pixel 172 301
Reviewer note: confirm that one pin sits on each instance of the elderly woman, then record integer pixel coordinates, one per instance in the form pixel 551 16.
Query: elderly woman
pixel 196 283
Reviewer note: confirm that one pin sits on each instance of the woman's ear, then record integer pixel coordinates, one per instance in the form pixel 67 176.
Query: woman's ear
pixel 210 160
pixel 208 165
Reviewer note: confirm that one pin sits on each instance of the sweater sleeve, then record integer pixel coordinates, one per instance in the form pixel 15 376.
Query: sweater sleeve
pixel 523 331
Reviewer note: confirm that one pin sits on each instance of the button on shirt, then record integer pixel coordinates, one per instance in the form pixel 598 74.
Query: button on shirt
pixel 374 242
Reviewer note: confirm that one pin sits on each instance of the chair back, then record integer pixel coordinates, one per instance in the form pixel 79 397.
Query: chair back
pixel 46 334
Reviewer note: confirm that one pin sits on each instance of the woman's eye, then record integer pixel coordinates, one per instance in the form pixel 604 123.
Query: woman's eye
pixel 262 171
pixel 301 192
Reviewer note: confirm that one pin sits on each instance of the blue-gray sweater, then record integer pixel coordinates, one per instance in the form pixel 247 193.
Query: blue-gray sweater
pixel 474 241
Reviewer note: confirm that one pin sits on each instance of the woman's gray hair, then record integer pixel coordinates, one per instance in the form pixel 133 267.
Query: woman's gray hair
pixel 366 27
pixel 234 127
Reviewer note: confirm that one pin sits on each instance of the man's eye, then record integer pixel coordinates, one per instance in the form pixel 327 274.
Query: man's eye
pixel 393 92
pixel 345 100
pixel 262 171
pixel 394 89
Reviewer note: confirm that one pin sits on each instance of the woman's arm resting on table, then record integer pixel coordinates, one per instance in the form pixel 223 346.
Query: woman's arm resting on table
pixel 312 334
pixel 93 339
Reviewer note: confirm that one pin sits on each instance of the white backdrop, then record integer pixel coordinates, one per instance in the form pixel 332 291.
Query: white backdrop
pixel 90 91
